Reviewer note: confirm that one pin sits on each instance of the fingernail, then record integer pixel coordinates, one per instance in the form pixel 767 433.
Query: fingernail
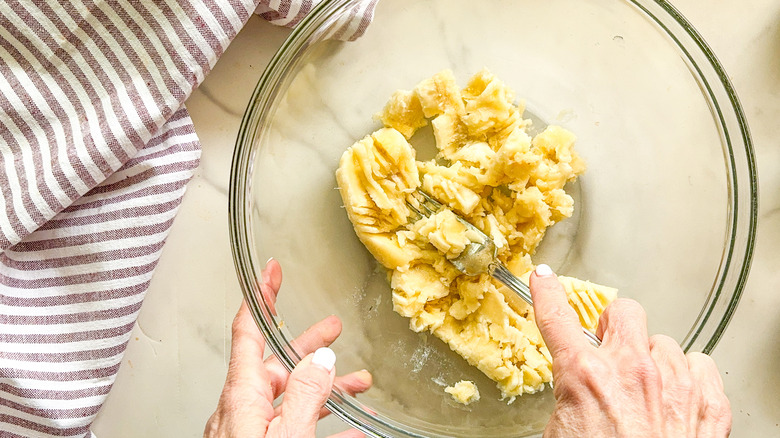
pixel 365 377
pixel 543 271
pixel 324 357
pixel 264 272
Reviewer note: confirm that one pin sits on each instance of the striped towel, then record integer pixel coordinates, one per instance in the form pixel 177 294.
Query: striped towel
pixel 96 149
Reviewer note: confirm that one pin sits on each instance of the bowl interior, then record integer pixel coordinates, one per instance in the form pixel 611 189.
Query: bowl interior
pixel 653 211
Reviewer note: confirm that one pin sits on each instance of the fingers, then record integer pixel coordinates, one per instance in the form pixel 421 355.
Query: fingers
pixel 247 346
pixel 715 412
pixel 624 324
pixel 352 433
pixel 352 384
pixel 693 397
pixel 270 283
pixel 668 355
pixel 321 334
pixel 272 275
pixel 681 396
pixel 556 319
pixel 307 390
pixel 246 386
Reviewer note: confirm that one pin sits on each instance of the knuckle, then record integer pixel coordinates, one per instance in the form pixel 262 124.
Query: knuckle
pixel 587 376
pixel 313 386
pixel 717 411
pixel 644 369
pixel 554 321
pixel 628 307
pixel 718 408
pixel 663 341
pixel 686 390
pixel 701 361
pixel 236 326
pixel 581 372
pixel 702 365
pixel 588 367
pixel 240 327
pixel 686 385
pixel 553 316
pixel 699 357
pixel 622 313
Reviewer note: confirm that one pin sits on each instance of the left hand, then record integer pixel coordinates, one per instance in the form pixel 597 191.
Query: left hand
pixel 246 408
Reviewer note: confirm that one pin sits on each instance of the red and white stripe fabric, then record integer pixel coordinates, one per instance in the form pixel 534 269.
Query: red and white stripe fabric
pixel 348 27
pixel 96 149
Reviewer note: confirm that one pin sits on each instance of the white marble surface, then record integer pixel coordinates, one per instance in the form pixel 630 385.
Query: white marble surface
pixel 174 367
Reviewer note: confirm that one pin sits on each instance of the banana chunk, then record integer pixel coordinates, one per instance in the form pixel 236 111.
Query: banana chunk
pixel 464 392
pixel 404 113
pixel 374 176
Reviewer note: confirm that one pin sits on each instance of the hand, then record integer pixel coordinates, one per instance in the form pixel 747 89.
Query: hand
pixel 245 408
pixel 631 386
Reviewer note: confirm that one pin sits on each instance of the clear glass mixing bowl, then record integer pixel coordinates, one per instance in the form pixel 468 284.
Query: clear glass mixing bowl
pixel 666 211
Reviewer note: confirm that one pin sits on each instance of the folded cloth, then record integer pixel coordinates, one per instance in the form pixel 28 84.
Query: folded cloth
pixel 96 149
pixel 349 26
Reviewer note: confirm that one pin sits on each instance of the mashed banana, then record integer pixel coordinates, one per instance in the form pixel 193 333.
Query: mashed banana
pixel 490 172
pixel 464 392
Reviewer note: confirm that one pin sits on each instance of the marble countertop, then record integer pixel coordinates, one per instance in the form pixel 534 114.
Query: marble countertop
pixel 175 365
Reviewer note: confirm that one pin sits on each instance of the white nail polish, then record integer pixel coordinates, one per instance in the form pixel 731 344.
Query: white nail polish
pixel 324 357
pixel 268 261
pixel 543 271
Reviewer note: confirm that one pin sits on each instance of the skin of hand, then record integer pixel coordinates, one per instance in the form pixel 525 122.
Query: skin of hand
pixel 632 385
pixel 246 405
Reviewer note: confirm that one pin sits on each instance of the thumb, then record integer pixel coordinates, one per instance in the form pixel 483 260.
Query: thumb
pixel 308 387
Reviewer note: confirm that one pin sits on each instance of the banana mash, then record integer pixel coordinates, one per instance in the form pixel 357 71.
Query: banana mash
pixel 464 392
pixel 492 173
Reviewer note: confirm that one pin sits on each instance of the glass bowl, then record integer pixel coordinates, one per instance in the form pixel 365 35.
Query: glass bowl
pixel 666 211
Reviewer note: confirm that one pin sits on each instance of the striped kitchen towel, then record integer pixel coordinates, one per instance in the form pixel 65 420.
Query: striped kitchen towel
pixel 96 149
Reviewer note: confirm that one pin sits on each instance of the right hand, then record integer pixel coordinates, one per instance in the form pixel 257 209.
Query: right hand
pixel 631 386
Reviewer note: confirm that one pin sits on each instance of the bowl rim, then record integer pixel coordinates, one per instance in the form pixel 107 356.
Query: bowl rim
pixel 742 213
